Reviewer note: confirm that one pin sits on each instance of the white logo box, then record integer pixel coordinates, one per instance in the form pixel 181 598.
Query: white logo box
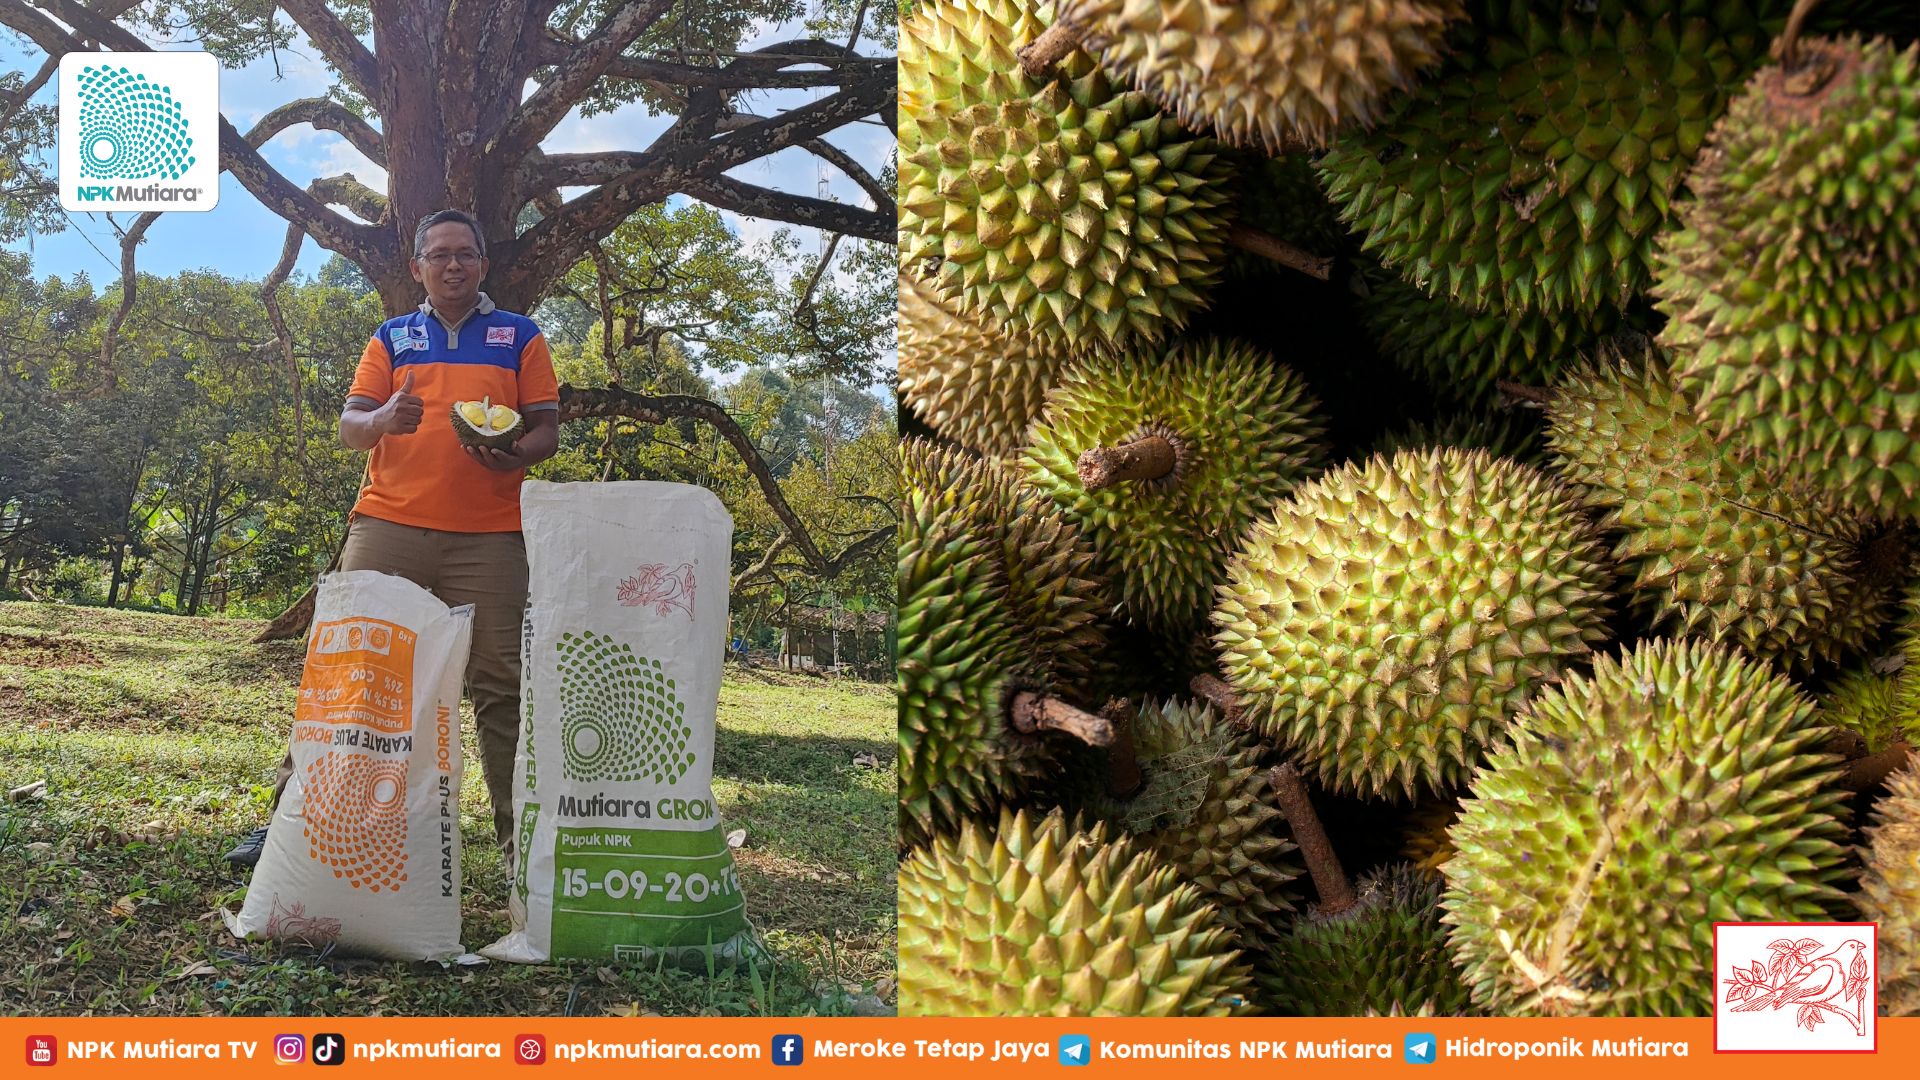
pixel 132 134
pixel 1785 988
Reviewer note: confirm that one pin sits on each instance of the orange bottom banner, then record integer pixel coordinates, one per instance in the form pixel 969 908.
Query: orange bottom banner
pixel 925 1049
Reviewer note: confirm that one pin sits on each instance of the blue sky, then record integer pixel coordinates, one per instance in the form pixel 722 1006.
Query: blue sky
pixel 242 239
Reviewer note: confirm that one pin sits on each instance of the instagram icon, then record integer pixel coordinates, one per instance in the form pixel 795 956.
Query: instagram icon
pixel 289 1049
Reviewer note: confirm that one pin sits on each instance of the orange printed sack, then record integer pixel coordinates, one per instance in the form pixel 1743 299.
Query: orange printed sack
pixel 364 850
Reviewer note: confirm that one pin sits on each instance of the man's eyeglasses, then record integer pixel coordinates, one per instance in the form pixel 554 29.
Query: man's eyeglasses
pixel 442 258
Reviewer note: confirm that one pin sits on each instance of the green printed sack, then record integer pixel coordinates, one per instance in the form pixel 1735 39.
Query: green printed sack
pixel 620 855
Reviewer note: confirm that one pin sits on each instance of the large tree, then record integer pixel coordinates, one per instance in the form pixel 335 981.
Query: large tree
pixel 454 100
pixel 439 101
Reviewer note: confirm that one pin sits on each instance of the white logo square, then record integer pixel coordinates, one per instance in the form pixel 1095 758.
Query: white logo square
pixel 1795 988
pixel 139 131
pixel 500 335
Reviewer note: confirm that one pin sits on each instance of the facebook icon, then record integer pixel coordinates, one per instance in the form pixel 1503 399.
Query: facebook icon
pixel 789 1050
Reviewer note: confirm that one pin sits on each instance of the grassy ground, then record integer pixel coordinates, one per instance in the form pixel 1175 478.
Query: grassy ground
pixel 157 737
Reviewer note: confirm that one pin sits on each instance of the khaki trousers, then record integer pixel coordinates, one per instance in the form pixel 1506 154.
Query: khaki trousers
pixel 489 571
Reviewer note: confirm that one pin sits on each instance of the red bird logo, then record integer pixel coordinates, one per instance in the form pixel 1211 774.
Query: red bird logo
pixel 1814 985
pixel 654 584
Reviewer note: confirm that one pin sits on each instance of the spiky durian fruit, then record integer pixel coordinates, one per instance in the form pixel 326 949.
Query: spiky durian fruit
pixel 1386 950
pixel 482 423
pixel 1239 432
pixel 1275 74
pixel 1791 278
pixel 997 596
pixel 1535 171
pixel 1071 212
pixel 1205 807
pixel 1718 548
pixel 1045 919
pixel 1890 890
pixel 970 382
pixel 1464 355
pixel 1869 705
pixel 1676 787
pixel 1388 619
pixel 1508 434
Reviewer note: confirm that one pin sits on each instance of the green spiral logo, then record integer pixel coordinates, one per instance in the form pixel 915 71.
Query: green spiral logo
pixel 620 719
pixel 130 128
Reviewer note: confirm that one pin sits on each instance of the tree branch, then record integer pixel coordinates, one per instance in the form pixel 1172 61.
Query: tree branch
pixel 361 243
pixel 350 58
pixel 367 245
pixel 765 565
pixel 762 69
pixel 575 76
pixel 745 199
pixel 840 159
pixel 680 156
pixel 345 190
pixel 326 115
pixel 128 278
pixel 31 88
pixel 577 403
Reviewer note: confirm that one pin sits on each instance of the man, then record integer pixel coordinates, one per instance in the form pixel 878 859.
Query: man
pixel 444 515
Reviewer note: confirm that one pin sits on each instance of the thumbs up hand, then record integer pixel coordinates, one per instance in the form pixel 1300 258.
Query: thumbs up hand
pixel 401 414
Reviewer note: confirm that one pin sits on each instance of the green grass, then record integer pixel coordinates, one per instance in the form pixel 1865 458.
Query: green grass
pixel 157 737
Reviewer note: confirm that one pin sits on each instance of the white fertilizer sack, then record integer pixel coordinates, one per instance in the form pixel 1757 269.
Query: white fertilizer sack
pixel 620 852
pixel 364 849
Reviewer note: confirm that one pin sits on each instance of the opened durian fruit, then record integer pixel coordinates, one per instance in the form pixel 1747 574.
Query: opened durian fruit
pixel 482 423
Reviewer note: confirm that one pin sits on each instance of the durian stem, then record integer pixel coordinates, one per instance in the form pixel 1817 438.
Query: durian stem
pixel 1036 712
pixel 1790 37
pixel 1268 246
pixel 1123 763
pixel 1329 880
pixel 1148 458
pixel 1214 691
pixel 1039 57
pixel 1866 773
pixel 1534 395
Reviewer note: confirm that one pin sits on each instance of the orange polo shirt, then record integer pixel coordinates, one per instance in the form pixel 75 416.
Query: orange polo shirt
pixel 426 479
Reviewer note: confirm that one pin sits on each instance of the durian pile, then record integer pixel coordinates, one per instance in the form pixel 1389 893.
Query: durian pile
pixel 1413 506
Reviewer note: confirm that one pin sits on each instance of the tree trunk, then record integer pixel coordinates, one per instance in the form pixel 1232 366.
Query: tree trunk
pixel 119 559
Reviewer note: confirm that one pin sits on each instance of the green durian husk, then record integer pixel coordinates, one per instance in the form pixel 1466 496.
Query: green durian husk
pixel 1798 343
pixel 1042 917
pixel 1387 949
pixel 997 595
pixel 1385 622
pixel 1679 785
pixel 1890 891
pixel 1247 432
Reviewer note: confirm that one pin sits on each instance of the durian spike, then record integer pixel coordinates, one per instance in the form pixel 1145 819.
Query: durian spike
pixel 1149 457
pixel 1268 246
pixel 1336 891
pixel 1214 690
pixel 1037 712
pixel 1124 778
